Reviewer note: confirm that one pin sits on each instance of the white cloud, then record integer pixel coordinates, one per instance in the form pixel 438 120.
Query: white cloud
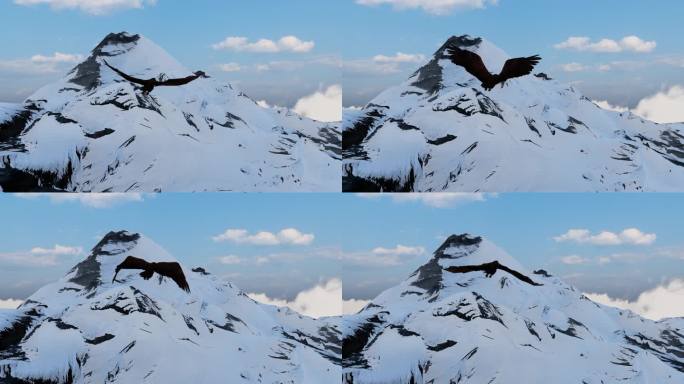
pixel 93 7
pixel 380 256
pixel 632 236
pixel 574 260
pixel 40 64
pixel 39 256
pixel 284 44
pixel 289 236
pixel 608 106
pixel 628 43
pixel 573 67
pixel 230 260
pixel 57 57
pixel 663 107
pixel 635 44
pixel 296 65
pixel 658 303
pixel 319 301
pixel 352 306
pixel 435 7
pixel 323 105
pixel 57 250
pixel 399 250
pixel 92 200
pixel 230 67
pixel 435 199
pixel 10 303
pixel 400 57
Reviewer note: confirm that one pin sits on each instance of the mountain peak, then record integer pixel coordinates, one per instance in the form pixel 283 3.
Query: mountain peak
pixel 115 237
pixel 444 325
pixel 131 52
pixel 434 76
pixel 117 39
pixel 87 73
pixel 462 41
pixel 113 332
pixel 101 118
pixel 456 241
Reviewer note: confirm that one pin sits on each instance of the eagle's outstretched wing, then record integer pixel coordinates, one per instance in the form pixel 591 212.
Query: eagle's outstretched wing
pixel 471 61
pixel 182 80
pixel 519 275
pixel 521 66
pixel 125 76
pixel 173 271
pixel 131 263
pixel 465 268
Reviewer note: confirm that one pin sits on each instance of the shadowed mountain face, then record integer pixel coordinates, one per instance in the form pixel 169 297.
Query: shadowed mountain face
pixel 94 131
pixel 441 130
pixel 443 327
pixel 87 328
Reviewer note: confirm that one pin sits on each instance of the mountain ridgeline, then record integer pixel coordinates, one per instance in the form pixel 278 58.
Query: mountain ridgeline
pixel 89 328
pixel 443 327
pixel 93 131
pixel 441 131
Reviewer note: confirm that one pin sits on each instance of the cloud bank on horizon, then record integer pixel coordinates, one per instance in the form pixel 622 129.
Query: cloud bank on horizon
pixel 93 7
pixel 435 7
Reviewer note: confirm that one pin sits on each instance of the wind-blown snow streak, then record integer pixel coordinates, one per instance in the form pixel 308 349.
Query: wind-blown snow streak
pixel 441 327
pixel 86 328
pixel 440 131
pixel 95 132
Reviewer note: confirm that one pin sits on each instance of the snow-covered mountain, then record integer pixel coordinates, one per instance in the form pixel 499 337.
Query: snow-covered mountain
pixel 440 131
pixel 442 327
pixel 86 328
pixel 93 131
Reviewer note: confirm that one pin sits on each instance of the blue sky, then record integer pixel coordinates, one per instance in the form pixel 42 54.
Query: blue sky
pixel 350 30
pixel 526 27
pixel 43 30
pixel 371 243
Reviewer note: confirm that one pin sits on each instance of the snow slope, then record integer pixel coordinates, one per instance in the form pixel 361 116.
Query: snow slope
pixel 440 131
pixel 442 327
pixel 93 131
pixel 87 329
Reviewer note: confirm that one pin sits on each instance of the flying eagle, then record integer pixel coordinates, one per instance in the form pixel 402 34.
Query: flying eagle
pixel 473 64
pixel 149 84
pixel 489 270
pixel 171 270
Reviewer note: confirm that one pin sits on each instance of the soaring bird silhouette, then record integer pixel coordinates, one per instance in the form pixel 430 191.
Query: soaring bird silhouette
pixel 171 270
pixel 490 269
pixel 472 62
pixel 149 84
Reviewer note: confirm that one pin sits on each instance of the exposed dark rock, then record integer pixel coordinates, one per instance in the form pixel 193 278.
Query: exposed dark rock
pixel 100 339
pixel 88 271
pixel 356 134
pixel 11 129
pixel 354 344
pixel 429 76
pixel 87 73
pixel 353 183
pixel 229 325
pixel 442 346
pixel 99 134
